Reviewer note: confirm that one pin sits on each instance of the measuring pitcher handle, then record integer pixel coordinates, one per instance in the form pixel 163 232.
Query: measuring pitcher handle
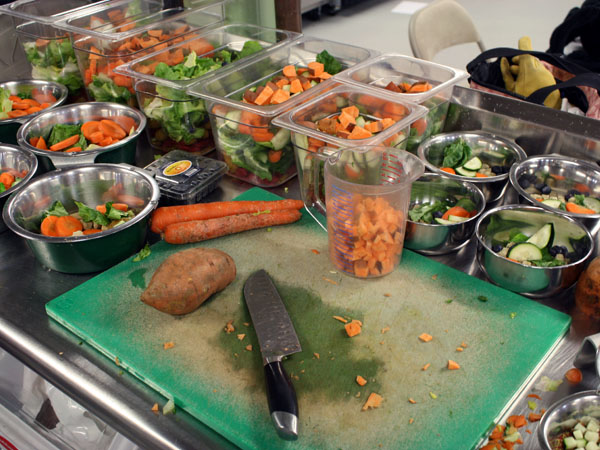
pixel 588 353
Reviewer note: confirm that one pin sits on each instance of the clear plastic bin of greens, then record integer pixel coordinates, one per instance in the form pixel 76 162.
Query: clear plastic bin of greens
pixel 254 149
pixel 176 119
pixel 47 48
pixel 346 116
pixel 102 45
pixel 415 80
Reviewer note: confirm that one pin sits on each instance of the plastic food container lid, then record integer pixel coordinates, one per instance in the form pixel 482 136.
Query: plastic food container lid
pixel 147 16
pixel 290 120
pixel 299 52
pixel 185 177
pixel 232 35
pixel 380 70
pixel 46 11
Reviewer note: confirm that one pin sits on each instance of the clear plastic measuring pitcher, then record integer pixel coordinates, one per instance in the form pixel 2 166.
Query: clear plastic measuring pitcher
pixel 367 191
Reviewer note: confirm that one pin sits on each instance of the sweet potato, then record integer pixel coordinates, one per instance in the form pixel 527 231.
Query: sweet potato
pixel 187 279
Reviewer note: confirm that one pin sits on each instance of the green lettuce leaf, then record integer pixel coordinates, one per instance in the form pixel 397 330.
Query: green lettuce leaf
pixel 56 209
pixel 62 131
pixel 88 214
pixel 5 103
pixel 331 65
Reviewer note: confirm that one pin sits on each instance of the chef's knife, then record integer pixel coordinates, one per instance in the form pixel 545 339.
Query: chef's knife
pixel 277 338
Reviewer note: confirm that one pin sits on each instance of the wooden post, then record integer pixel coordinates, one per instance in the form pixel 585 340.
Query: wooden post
pixel 288 16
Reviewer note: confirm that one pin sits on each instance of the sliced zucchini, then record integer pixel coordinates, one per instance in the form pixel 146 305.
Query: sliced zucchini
pixel 455 219
pixel 444 221
pixel 592 203
pixel 552 203
pixel 465 172
pixel 525 251
pixel 473 164
pixel 544 237
pixel 360 121
pixel 300 140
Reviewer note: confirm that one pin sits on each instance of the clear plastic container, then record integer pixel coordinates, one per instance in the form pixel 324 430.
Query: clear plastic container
pixel 185 178
pixel 383 69
pixel 117 32
pixel 242 130
pixel 47 48
pixel 176 119
pixel 385 117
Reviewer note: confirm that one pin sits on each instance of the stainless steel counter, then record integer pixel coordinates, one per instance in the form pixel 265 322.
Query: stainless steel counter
pixel 124 402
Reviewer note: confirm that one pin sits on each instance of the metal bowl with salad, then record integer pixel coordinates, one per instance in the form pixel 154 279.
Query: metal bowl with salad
pixel 562 184
pixel 482 158
pixel 442 214
pixel 530 250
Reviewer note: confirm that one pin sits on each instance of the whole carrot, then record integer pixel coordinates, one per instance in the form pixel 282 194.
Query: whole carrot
pixel 167 215
pixel 202 230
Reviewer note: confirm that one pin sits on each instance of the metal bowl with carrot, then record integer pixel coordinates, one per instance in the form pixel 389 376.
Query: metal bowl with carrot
pixel 82 134
pixel 22 100
pixel 84 219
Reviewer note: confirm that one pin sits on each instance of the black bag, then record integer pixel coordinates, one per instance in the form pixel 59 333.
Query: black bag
pixel 575 82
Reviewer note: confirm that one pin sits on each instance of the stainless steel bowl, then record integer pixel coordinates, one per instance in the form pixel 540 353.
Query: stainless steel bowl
pixel 435 238
pixel 562 415
pixel 569 172
pixel 12 157
pixel 493 187
pixel 10 127
pixel 119 152
pixel 91 185
pixel 531 281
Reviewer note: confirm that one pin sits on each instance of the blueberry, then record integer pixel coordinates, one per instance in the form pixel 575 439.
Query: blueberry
pixel 555 250
pixel 524 182
pixel 572 192
pixel 539 186
pixel 438 214
pixel 546 189
pixel 498 170
pixel 564 250
pixel 497 248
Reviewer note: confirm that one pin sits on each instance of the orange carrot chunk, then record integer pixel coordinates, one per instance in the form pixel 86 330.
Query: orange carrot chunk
pixel 65 143
pixel 353 328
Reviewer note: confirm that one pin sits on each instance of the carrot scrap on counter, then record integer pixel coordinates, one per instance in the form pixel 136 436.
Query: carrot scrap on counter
pixel 360 380
pixel 241 336
pixel 374 401
pixel 534 396
pixel 385 330
pixel 249 347
pixel 353 328
pixel 341 319
pixel 229 328
pixel 315 251
pixel 411 400
pixel 317 355
pixel 517 421
pixel 155 408
pixel 425 367
pixel 425 337
pixel 453 365
pixel 168 345
pixel 533 417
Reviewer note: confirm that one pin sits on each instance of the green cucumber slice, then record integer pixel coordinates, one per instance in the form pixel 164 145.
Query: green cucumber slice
pixel 455 219
pixel 473 164
pixel 281 139
pixel 544 237
pixel 525 251
pixel 465 172
pixel 444 221
pixel 592 203
pixel 360 121
pixel 552 203
pixel 232 119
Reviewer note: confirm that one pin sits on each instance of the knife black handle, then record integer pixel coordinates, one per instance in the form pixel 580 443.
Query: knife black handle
pixel 283 405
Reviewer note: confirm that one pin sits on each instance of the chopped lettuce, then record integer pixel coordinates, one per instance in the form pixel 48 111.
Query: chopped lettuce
pixel 250 47
pixel 103 89
pixel 56 209
pixel 5 103
pixel 180 119
pixel 143 253
pixel 54 62
pixel 62 131
pixel 88 214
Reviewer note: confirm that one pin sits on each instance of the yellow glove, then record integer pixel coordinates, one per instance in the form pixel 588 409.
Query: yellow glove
pixel 530 74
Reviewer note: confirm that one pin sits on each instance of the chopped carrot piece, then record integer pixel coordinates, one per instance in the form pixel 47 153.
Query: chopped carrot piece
pixel 289 71
pixel 574 375
pixel 353 328
pixel 360 380
pixel 41 144
pixel 66 143
pixel 346 120
pixel 280 96
pixel 453 365
pixel 534 396
pixel 425 337
pixel 448 170
pixel 352 110
pixel 316 68
pixel 517 421
pixel 359 133
pixel 533 417
pixel 577 209
pixel 374 401
pixel 73 150
pixel 295 86
pixel 264 96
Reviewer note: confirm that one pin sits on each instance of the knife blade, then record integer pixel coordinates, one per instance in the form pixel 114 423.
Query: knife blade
pixel 277 338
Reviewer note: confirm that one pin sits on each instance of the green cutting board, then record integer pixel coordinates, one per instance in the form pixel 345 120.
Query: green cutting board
pixel 212 375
